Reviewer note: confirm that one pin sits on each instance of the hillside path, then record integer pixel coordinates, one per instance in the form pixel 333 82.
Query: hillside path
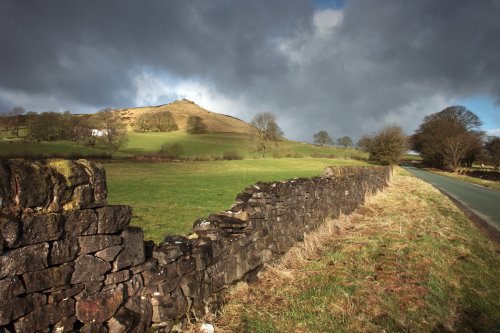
pixel 482 201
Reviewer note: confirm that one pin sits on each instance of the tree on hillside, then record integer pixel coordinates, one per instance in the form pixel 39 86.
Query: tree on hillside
pixel 143 123
pixel 196 125
pixel 322 138
pixel 492 147
pixel 448 138
pixel 387 146
pixel 345 141
pixel 163 121
pixel 268 132
pixel 113 128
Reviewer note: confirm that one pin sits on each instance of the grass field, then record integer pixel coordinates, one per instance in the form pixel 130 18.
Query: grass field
pixel 412 262
pixel 168 197
pixel 208 145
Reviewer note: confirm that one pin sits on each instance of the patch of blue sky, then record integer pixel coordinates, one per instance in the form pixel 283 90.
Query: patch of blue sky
pixel 332 4
pixel 485 108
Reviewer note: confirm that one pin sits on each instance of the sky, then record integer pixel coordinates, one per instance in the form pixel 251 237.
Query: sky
pixel 349 67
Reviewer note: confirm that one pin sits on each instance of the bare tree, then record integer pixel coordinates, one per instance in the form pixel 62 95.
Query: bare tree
pixel 165 122
pixel 345 141
pixel 16 119
pixel 322 138
pixel 268 132
pixel 143 123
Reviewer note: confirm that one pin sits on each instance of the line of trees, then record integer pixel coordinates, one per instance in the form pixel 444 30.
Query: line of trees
pixel 105 127
pixel 322 138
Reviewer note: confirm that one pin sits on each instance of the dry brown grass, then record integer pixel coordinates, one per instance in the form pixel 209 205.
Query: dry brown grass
pixel 407 261
pixel 181 110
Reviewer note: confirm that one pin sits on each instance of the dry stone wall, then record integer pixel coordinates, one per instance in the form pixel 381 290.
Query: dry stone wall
pixel 70 262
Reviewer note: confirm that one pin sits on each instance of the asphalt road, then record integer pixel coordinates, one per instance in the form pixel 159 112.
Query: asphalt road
pixel 482 201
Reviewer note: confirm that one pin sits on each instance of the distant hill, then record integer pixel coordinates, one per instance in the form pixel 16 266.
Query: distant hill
pixel 181 110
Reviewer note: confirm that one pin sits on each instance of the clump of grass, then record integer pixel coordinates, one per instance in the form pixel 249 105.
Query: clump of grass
pixel 407 261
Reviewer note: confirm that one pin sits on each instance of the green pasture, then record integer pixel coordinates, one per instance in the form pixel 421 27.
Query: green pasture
pixel 210 145
pixel 169 197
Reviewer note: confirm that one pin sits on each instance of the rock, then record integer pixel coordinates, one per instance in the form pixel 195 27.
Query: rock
pixel 63 251
pixel 55 297
pixel 88 269
pixel 65 325
pixel 97 178
pixel 169 307
pixel 80 223
pixel 10 230
pixel 142 311
pixel 37 228
pixel 13 308
pixel 45 316
pixel 10 286
pixel 148 264
pixel 116 277
pixel 95 243
pixel 109 254
pixel 24 259
pixel 30 185
pixel 99 307
pixel 47 278
pixel 94 328
pixel 122 321
pixel 112 219
pixel 159 274
pixel 133 249
pixel 134 285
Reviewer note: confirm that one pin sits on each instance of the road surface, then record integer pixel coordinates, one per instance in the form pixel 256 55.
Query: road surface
pixel 482 201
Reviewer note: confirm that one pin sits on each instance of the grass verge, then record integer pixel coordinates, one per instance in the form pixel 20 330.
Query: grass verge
pixel 168 197
pixel 407 261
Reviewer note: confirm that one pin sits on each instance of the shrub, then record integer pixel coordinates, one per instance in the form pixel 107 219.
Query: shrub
pixel 231 155
pixel 173 150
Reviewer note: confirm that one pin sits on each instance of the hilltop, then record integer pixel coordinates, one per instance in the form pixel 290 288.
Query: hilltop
pixel 183 109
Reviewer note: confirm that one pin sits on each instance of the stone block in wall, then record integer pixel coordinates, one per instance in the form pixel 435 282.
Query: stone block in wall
pixel 25 184
pixel 88 269
pixel 147 265
pixel 116 277
pixel 80 223
pixel 94 243
pixel 142 313
pixel 99 307
pixel 45 316
pixel 10 231
pixel 112 219
pixel 109 254
pixel 57 296
pixel 170 307
pixel 65 325
pixel 11 286
pixel 62 251
pixel 48 278
pixel 24 259
pixel 37 228
pixel 133 249
pixel 94 328
pixel 134 285
pixel 52 185
pixel 160 274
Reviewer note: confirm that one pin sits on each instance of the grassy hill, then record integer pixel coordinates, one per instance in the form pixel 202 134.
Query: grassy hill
pixel 183 109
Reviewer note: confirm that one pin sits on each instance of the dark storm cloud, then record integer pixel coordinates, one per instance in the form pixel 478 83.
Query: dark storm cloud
pixel 386 61
pixel 89 51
